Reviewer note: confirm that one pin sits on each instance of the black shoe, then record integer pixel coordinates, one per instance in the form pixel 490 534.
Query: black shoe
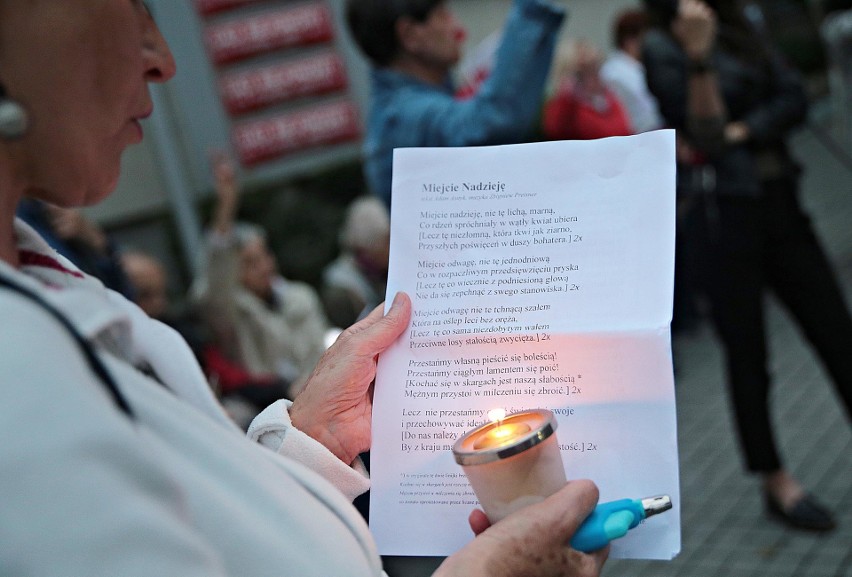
pixel 805 514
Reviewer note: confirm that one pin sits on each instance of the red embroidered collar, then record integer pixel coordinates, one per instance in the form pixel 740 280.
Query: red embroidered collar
pixel 31 258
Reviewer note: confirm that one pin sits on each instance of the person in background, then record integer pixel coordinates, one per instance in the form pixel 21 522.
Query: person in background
pixel 734 101
pixel 242 394
pixel 355 282
pixel 148 277
pixel 624 73
pixel 150 283
pixel 79 240
pixel 261 321
pixel 413 46
pixel 582 107
pixel 109 469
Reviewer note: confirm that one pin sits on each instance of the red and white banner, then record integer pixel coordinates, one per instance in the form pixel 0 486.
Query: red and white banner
pixel 256 88
pixel 212 6
pixel 261 140
pixel 237 39
pixel 476 65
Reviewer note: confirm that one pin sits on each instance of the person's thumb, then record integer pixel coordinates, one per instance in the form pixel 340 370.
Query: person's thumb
pixel 565 510
pixel 377 331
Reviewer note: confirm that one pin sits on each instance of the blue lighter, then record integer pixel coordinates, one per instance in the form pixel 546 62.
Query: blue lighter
pixel 612 520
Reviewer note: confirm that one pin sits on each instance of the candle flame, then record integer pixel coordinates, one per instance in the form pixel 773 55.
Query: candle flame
pixel 497 415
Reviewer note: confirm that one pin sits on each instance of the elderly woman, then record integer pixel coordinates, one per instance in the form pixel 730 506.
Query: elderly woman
pixel 116 459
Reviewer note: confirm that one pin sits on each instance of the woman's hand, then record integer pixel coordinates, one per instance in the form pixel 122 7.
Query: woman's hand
pixel 335 407
pixel 227 192
pixel 695 28
pixel 532 542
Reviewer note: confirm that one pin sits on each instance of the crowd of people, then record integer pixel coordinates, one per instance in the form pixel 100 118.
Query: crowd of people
pixel 218 432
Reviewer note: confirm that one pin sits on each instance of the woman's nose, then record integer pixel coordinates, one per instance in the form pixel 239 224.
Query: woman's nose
pixel 159 62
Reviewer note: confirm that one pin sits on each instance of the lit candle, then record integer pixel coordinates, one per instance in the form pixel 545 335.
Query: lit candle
pixel 499 433
pixel 512 461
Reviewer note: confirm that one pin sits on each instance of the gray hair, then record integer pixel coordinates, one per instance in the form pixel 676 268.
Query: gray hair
pixel 367 219
pixel 245 232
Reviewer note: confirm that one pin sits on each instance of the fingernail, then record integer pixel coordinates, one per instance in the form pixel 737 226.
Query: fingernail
pixel 397 300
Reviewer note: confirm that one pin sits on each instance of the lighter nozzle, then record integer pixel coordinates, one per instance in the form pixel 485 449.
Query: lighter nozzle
pixel 655 505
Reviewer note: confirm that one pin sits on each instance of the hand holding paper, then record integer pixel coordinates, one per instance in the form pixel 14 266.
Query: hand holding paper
pixel 336 403
pixel 541 277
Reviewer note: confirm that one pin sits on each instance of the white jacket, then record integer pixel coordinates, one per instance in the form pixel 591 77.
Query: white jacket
pixel 176 490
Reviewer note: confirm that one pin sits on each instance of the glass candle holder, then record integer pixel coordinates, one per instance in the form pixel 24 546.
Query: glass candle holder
pixel 512 462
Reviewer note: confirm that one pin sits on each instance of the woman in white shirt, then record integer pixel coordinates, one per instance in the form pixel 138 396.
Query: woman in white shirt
pixel 116 459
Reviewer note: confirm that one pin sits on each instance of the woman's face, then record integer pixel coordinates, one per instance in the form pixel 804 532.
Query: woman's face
pixel 81 69
pixel 257 267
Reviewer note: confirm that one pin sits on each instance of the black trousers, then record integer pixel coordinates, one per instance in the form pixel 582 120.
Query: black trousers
pixel 749 245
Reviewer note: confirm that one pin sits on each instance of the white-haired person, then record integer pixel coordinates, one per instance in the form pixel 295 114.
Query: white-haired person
pixel 116 459
pixel 355 281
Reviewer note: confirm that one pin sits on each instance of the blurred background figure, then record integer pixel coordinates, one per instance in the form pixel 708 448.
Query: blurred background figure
pixel 582 107
pixel 624 73
pixel 355 282
pixel 262 322
pixel 80 240
pixel 414 45
pixel 734 101
pixel 147 276
pixel 150 286
pixel 243 395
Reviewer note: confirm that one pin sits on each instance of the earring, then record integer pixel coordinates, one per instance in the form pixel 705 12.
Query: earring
pixel 13 118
